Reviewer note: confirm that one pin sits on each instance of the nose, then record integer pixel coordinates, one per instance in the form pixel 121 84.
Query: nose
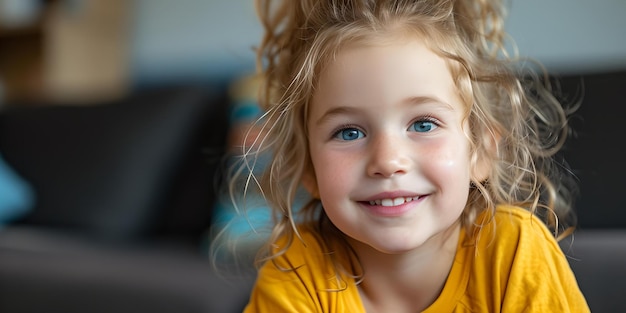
pixel 389 156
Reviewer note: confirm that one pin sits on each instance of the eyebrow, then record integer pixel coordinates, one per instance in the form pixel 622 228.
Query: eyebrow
pixel 335 111
pixel 410 100
pixel 428 99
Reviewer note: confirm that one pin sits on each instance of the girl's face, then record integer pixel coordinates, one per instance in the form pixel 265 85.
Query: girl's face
pixel 389 151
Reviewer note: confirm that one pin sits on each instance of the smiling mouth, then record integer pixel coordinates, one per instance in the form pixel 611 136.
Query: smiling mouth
pixel 393 202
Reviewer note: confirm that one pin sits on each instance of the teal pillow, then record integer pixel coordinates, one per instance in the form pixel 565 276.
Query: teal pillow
pixel 16 195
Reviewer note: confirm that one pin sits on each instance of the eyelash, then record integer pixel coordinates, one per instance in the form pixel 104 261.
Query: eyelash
pixel 427 118
pixel 341 128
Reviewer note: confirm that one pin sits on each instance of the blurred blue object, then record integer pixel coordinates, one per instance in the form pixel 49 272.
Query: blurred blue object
pixel 16 195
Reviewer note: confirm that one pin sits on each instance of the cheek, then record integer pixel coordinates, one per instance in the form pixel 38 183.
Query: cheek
pixel 334 173
pixel 450 160
pixel 328 167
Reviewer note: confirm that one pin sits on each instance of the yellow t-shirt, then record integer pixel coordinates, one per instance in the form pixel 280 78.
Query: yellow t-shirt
pixel 520 268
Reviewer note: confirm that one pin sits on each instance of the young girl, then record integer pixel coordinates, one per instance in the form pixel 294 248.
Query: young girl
pixel 429 163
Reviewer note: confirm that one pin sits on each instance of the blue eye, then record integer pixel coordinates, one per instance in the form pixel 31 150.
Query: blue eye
pixel 349 134
pixel 423 126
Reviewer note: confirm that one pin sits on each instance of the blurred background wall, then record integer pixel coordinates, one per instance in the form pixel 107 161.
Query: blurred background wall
pixel 571 36
pixel 68 49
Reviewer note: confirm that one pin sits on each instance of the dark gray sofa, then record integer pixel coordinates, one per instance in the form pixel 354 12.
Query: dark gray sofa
pixel 125 191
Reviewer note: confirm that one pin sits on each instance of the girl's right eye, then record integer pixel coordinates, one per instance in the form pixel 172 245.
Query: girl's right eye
pixel 349 134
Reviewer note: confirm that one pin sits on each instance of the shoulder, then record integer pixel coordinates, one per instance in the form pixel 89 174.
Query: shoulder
pixel 304 256
pixel 514 233
pixel 302 279
pixel 305 250
pixel 513 223
pixel 518 259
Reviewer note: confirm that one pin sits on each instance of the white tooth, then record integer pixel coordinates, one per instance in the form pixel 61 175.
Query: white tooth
pixel 393 202
pixel 398 201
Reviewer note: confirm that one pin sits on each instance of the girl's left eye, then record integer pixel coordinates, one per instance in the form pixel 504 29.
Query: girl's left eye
pixel 423 126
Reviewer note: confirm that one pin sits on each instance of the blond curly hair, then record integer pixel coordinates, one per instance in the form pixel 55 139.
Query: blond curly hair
pixel 516 122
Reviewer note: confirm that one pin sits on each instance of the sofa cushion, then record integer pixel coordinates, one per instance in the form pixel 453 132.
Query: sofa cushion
pixel 597 258
pixel 108 170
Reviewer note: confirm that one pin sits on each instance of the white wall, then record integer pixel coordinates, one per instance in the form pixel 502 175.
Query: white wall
pixel 200 38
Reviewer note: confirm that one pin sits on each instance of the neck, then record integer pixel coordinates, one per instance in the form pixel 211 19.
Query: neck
pixel 410 281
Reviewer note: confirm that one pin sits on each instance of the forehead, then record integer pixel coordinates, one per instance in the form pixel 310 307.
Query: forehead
pixel 386 70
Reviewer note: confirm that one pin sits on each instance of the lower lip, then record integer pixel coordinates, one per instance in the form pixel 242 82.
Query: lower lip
pixel 392 211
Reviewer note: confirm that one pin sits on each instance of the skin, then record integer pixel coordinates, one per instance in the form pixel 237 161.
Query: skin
pixel 386 124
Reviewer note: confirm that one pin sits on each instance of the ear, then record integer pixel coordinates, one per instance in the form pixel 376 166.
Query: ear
pixel 310 183
pixel 485 156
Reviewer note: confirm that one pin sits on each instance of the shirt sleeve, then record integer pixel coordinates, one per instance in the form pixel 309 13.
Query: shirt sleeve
pixel 540 278
pixel 280 290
